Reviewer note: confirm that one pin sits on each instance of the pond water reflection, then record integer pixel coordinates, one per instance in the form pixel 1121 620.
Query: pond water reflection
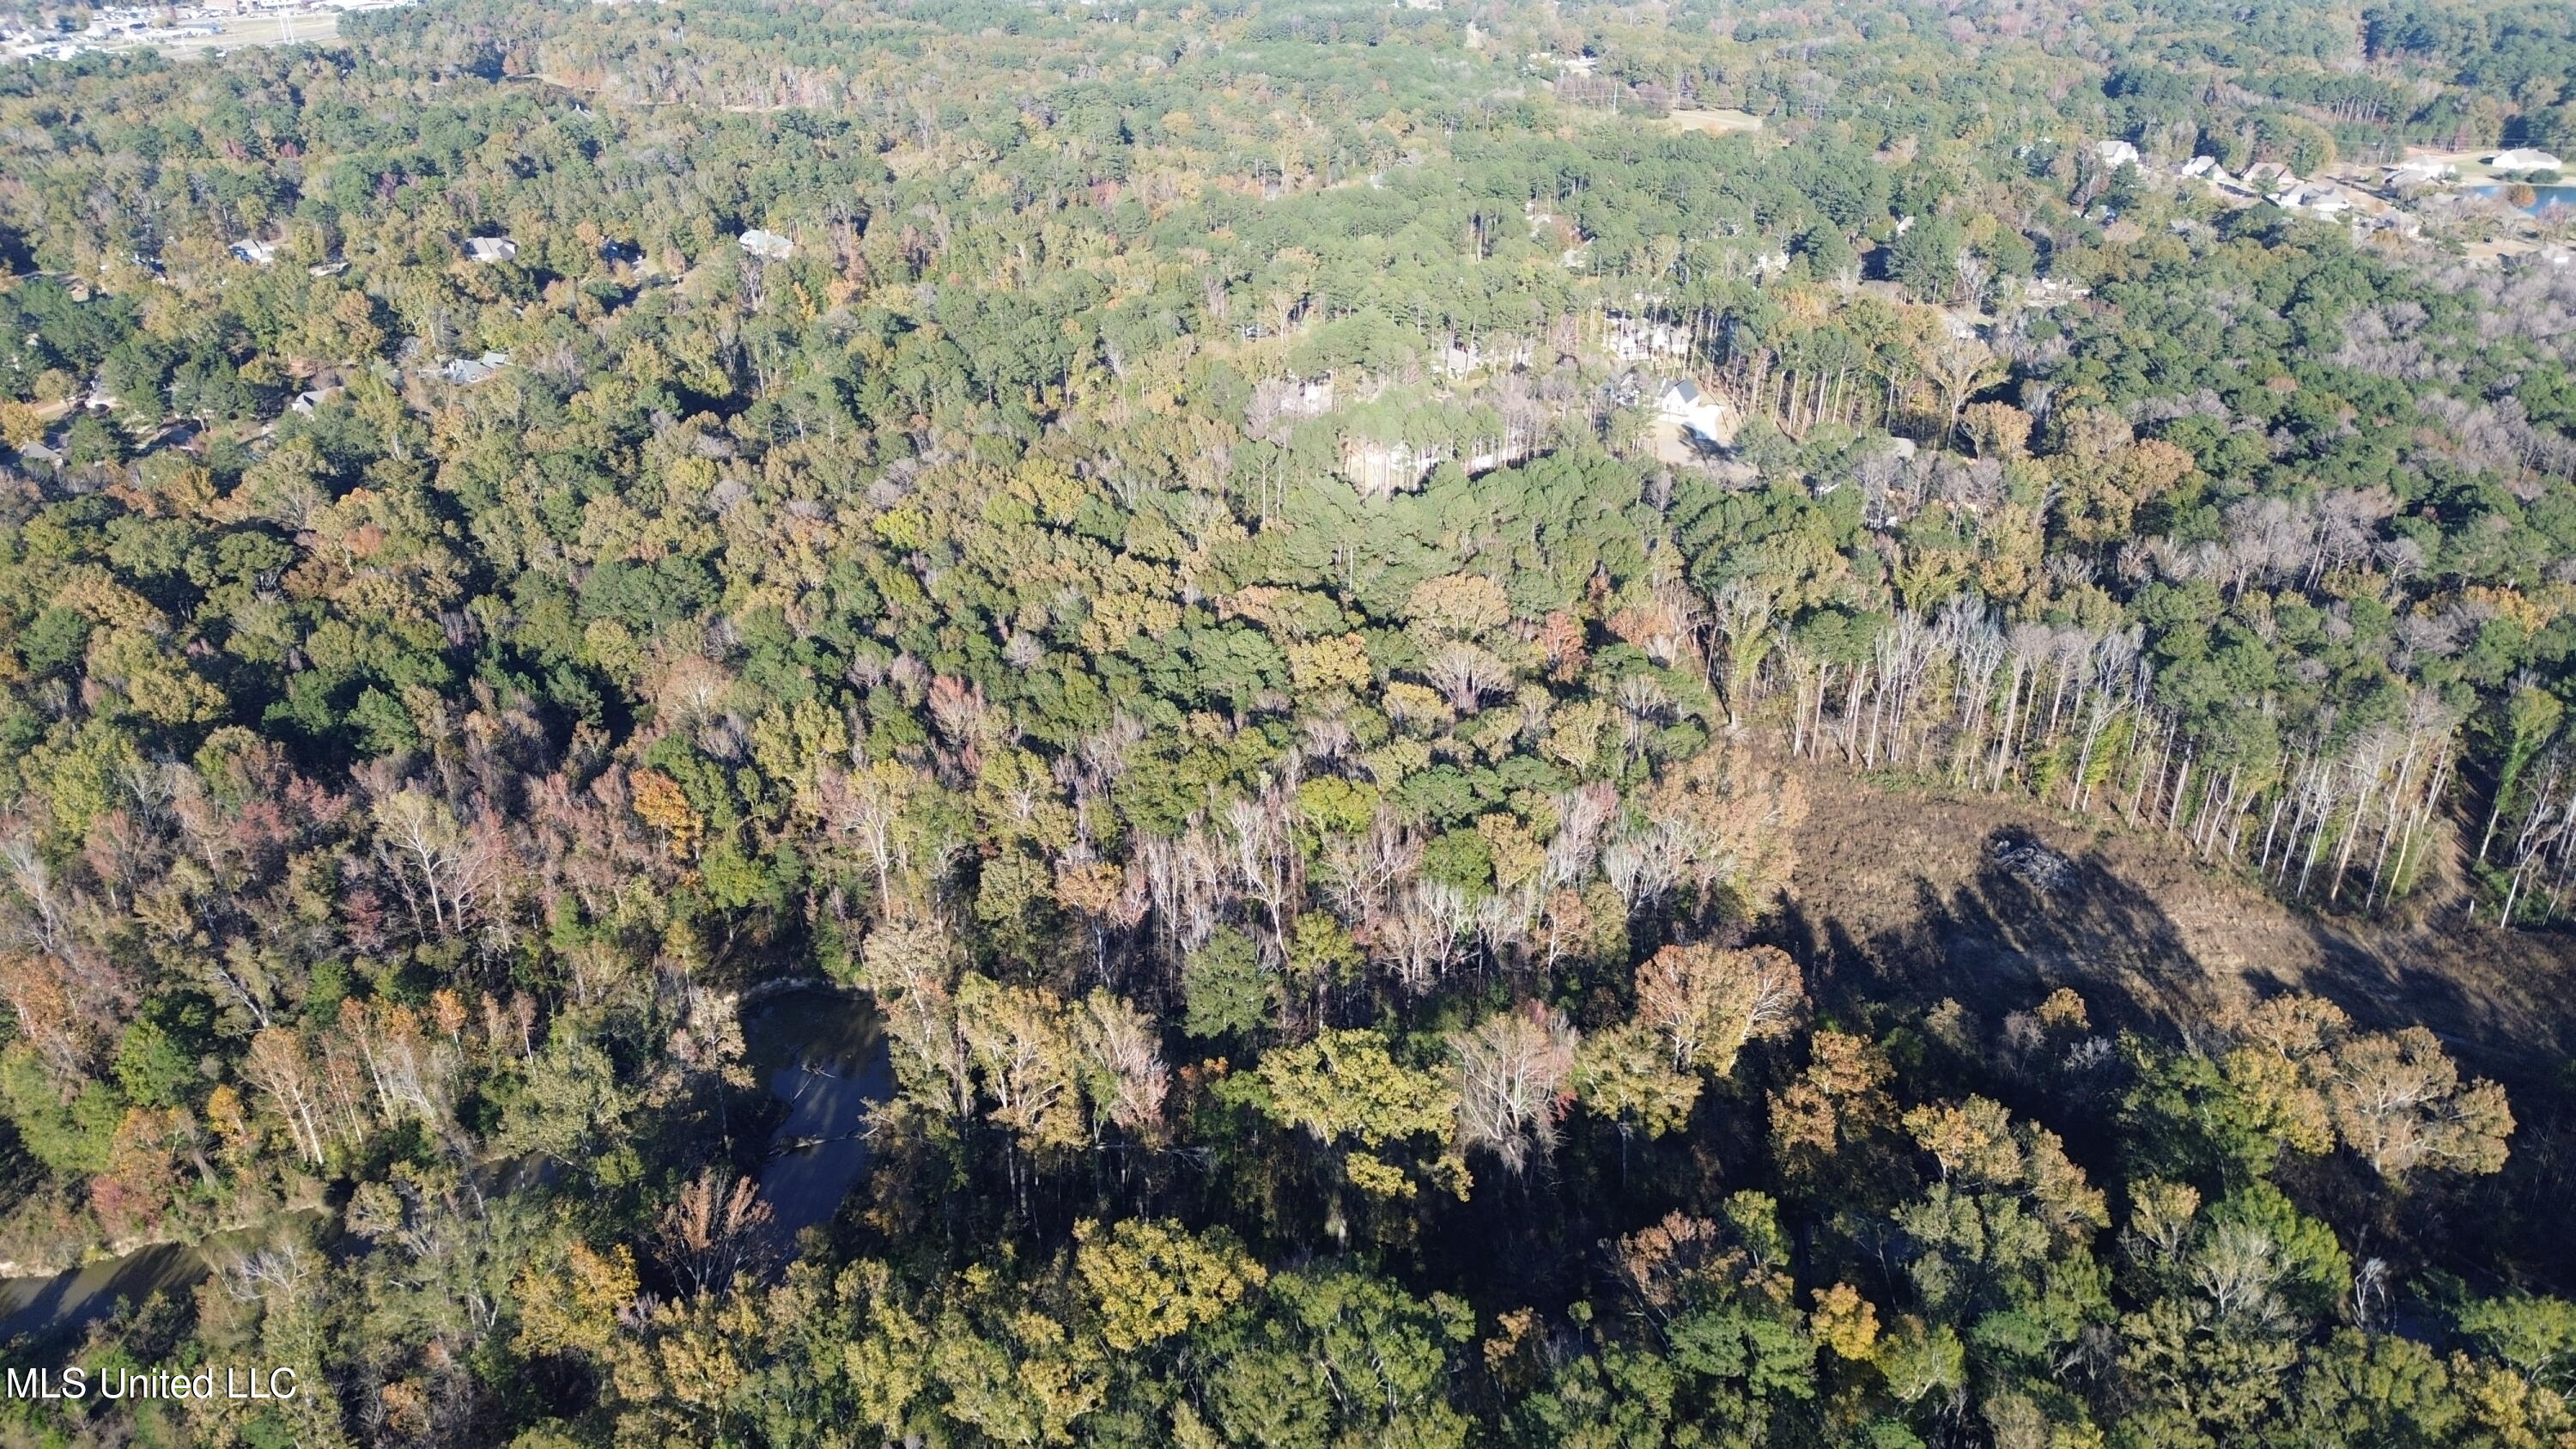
pixel 823 1053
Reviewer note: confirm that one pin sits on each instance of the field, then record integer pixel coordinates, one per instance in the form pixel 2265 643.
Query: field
pixel 1942 896
pixel 298 28
pixel 1714 123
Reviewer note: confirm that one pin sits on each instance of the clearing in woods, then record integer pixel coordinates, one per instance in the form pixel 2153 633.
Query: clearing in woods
pixel 1715 123
pixel 1996 902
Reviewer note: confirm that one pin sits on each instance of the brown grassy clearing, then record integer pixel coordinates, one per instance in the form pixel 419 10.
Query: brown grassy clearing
pixel 1906 889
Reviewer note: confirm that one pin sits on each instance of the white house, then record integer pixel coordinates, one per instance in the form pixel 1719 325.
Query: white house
pixel 2115 153
pixel 2524 158
pixel 2206 169
pixel 1685 403
pixel 490 249
pixel 254 251
pixel 769 246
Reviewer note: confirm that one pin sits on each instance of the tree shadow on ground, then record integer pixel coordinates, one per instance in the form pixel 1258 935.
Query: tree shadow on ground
pixel 2030 920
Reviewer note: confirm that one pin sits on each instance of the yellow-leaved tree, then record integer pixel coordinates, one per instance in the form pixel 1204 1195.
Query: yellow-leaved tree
pixel 1153 1279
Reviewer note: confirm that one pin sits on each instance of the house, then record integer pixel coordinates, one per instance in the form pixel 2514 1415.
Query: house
pixel 1687 405
pixel 2207 169
pixel 306 402
pixel 39 453
pixel 2115 153
pixel 769 246
pixel 331 268
pixel 491 249
pixel 2320 197
pixel 467 371
pixel 2524 158
pixel 254 251
pixel 2421 173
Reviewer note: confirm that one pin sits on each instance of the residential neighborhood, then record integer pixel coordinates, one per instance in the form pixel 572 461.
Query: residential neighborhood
pixel 217 26
pixel 2508 198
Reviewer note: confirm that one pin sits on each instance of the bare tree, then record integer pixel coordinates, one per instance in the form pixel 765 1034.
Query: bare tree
pixel 436 861
pixel 1129 1077
pixel 1957 366
pixel 1420 938
pixel 277 1065
pixel 1465 674
pixel 1362 872
pixel 1515 1079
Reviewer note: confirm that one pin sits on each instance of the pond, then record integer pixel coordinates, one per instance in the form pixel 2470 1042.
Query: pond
pixel 2543 197
pixel 823 1053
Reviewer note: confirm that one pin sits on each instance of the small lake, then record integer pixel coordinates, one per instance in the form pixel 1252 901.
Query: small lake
pixel 823 1053
pixel 2544 197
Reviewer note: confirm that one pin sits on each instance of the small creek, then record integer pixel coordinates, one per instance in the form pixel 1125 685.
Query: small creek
pixel 821 1052
pixel 66 1300
pixel 76 1296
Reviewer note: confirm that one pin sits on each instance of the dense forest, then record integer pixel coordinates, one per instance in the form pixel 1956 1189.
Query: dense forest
pixel 1150 546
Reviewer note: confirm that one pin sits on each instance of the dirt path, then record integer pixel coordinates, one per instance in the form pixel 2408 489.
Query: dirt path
pixel 1995 902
